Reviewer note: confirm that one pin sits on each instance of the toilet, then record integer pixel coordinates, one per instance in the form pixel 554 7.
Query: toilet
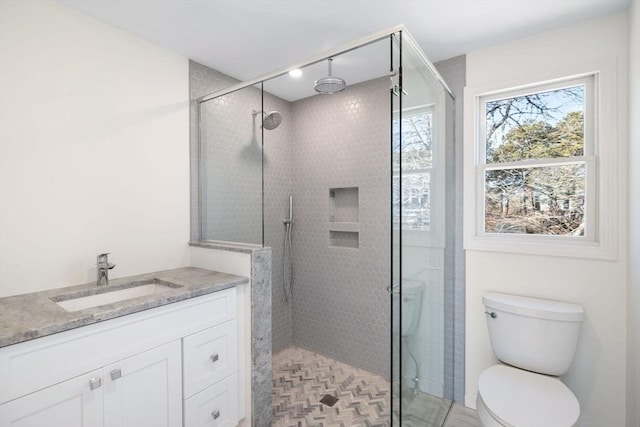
pixel 535 340
pixel 411 306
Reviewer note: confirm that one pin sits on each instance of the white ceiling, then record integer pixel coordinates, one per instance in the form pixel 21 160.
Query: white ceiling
pixel 249 38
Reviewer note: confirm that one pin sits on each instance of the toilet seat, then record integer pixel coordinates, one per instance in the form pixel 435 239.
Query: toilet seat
pixel 518 398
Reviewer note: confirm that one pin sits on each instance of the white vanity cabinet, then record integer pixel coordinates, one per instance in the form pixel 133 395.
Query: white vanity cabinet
pixel 128 371
pixel 143 390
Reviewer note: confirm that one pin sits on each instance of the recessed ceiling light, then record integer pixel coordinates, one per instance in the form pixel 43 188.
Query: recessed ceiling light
pixel 295 73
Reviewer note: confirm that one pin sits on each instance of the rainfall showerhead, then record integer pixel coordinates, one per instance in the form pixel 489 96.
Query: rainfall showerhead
pixel 271 120
pixel 330 84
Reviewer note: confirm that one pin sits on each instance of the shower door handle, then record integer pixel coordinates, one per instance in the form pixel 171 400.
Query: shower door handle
pixel 395 289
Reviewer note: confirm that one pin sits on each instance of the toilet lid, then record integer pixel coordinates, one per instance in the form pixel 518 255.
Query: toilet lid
pixel 519 398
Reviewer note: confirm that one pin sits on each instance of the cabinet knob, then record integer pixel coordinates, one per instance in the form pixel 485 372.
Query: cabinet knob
pixel 215 414
pixel 115 374
pixel 214 357
pixel 94 383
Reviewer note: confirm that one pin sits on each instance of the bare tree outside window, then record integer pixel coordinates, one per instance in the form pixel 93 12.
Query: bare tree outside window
pixel 535 172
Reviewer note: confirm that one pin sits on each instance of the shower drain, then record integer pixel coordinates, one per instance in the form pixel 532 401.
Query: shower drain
pixel 329 400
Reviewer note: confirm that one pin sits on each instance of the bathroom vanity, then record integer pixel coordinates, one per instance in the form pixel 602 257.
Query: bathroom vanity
pixel 164 359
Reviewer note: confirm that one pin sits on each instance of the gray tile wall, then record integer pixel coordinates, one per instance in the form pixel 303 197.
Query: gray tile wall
pixel 453 71
pixel 277 188
pixel 341 308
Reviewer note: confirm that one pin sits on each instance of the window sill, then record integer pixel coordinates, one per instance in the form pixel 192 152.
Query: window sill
pixel 545 247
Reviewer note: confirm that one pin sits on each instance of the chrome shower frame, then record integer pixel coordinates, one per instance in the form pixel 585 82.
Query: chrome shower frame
pixel 373 38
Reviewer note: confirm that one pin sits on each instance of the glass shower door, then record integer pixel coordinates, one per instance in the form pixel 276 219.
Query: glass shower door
pixel 420 132
pixel 396 266
pixel 231 164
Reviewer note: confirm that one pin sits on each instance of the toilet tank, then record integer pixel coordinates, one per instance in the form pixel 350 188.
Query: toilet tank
pixel 533 334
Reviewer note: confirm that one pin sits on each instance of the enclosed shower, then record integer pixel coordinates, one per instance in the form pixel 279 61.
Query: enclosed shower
pixel 346 173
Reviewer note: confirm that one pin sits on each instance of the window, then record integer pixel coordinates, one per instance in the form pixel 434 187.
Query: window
pixel 541 162
pixel 422 199
pixel 536 170
pixel 417 167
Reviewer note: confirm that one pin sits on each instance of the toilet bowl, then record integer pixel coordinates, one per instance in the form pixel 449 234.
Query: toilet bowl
pixel 536 340
pixel 512 397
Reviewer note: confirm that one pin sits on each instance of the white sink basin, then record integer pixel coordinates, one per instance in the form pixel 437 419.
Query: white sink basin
pixel 102 296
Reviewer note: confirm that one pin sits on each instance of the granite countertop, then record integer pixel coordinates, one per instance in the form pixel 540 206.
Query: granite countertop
pixel 28 316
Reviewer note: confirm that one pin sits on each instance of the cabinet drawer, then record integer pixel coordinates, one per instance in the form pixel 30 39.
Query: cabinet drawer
pixel 216 406
pixel 209 356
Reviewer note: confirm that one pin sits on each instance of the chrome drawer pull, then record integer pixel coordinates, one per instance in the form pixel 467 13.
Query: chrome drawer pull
pixel 214 357
pixel 94 383
pixel 215 414
pixel 115 374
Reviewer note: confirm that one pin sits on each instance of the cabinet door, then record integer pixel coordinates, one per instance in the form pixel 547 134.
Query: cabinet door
pixel 145 390
pixel 73 403
pixel 216 406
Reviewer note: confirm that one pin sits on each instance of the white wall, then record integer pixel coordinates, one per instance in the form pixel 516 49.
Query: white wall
pixel 94 150
pixel 598 375
pixel 633 389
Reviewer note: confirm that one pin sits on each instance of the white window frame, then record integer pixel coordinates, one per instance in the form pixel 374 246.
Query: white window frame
pixel 434 237
pixel 599 158
pixel 588 158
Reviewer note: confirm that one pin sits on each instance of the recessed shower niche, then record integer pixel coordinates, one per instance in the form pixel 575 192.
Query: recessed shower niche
pixel 344 217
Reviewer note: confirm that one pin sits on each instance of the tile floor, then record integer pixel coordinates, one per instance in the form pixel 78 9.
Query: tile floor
pixel 461 416
pixel 301 378
pixel 420 410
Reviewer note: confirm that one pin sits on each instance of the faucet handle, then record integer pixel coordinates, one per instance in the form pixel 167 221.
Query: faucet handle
pixel 103 258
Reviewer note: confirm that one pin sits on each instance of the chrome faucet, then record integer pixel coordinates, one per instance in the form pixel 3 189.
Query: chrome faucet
pixel 103 269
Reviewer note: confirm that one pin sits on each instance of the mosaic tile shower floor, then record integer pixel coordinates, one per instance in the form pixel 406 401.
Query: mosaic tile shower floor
pixel 301 378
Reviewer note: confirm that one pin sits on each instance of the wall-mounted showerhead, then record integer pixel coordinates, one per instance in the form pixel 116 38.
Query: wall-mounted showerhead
pixel 330 84
pixel 271 120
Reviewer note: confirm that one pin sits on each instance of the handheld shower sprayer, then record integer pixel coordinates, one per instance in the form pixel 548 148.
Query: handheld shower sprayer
pixel 289 220
pixel 288 252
